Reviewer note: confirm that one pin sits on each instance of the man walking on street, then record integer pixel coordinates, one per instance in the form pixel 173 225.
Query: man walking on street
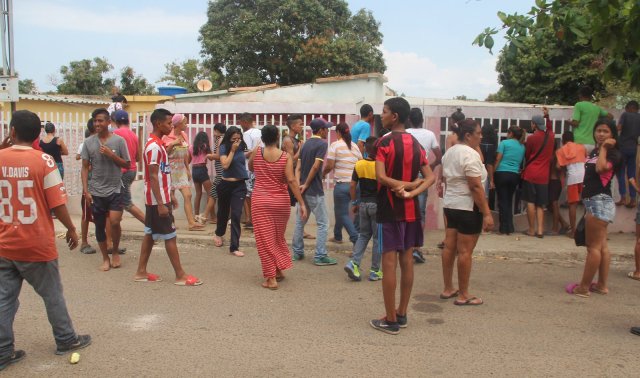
pixel 108 155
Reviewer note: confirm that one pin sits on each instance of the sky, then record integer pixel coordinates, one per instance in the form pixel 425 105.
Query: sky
pixel 427 43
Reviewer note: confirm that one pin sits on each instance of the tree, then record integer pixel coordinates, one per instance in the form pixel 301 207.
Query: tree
pixel 187 73
pixel 132 84
pixel 609 28
pixel 86 77
pixel 546 70
pixel 27 86
pixel 288 41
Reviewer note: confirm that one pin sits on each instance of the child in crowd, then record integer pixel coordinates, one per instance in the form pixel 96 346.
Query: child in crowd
pixel 364 173
pixel 559 225
pixel 399 159
pixel 572 156
pixel 199 151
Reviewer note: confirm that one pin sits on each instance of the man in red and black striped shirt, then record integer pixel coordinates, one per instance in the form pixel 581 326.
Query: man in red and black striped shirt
pixel 399 160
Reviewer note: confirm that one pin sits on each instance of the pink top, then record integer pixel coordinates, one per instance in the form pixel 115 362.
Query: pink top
pixel 167 139
pixel 197 159
pixel 131 139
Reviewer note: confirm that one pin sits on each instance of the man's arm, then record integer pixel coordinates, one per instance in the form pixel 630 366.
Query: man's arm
pixel 163 211
pixel 84 176
pixel 328 167
pixel 312 173
pixel 361 147
pixel 63 216
pixel 437 152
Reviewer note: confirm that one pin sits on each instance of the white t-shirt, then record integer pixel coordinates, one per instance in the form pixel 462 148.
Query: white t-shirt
pixel 80 148
pixel 459 162
pixel 575 173
pixel 252 138
pixel 426 138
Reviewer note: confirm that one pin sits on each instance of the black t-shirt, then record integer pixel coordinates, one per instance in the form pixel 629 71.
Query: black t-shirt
pixel 599 183
pixel 313 149
pixel 630 130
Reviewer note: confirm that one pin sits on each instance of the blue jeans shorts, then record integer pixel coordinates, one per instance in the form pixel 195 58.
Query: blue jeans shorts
pixel 601 206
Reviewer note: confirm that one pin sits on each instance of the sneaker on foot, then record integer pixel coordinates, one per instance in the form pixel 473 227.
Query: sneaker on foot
pixel 82 341
pixel 385 326
pixel 334 240
pixel 352 270
pixel 375 275
pixel 248 226
pixel 16 356
pixel 418 257
pixel 402 320
pixel 325 260
pixel 297 257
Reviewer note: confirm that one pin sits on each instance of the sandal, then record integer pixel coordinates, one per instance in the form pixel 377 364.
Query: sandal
pixel 190 281
pixel 452 295
pixel 469 302
pixel 571 289
pixel 633 276
pixel 149 278
pixel 238 253
pixel 200 219
pixel 594 289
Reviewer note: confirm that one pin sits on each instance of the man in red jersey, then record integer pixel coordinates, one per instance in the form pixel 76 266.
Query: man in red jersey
pixel 158 222
pixel 399 160
pixel 30 188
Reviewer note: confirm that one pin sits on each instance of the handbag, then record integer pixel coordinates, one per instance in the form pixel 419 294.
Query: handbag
pixel 579 236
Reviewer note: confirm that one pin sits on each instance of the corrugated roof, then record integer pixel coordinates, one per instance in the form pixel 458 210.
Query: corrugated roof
pixel 66 99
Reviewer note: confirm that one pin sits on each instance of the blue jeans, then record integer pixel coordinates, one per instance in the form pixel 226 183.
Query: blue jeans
pixel 45 279
pixel 628 164
pixel 368 229
pixel 341 205
pixel 422 202
pixel 315 205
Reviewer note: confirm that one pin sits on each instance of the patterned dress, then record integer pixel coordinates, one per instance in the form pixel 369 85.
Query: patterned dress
pixel 270 212
pixel 179 175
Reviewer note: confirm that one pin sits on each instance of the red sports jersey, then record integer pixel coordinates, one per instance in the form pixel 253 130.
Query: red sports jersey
pixel 155 154
pixel 30 186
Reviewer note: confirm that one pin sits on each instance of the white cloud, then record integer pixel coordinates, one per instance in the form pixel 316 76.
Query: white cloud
pixel 83 17
pixel 419 76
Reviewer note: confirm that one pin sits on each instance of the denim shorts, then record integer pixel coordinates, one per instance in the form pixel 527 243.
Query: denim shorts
pixel 601 206
pixel 199 173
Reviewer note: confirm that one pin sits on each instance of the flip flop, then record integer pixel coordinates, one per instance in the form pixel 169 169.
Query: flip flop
pixel 440 245
pixel 570 289
pixel 454 294
pixel 469 302
pixel 635 330
pixel 238 253
pixel 150 278
pixel 594 289
pixel 632 276
pixel 198 227
pixel 190 281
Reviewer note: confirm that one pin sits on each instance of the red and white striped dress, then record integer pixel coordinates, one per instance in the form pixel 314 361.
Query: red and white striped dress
pixel 270 210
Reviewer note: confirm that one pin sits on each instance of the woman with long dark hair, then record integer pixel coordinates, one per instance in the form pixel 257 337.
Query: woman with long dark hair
pixel 342 156
pixel 218 132
pixel 599 169
pixel 270 205
pixel 232 189
pixel 199 151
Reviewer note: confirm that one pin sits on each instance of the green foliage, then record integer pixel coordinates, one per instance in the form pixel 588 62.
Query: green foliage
pixel 86 77
pixel 132 84
pixel 27 86
pixel 546 70
pixel 255 42
pixel 609 28
pixel 187 73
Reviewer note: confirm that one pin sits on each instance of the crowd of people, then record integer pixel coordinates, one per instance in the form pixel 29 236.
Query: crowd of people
pixel 379 193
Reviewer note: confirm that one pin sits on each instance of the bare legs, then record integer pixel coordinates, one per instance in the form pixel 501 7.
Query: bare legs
pixel 188 209
pixel 464 245
pixel 598 256
pixel 535 217
pixel 172 251
pixel 389 264
pixel 558 221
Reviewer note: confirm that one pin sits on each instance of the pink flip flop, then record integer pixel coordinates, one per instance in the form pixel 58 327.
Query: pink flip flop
pixel 570 290
pixel 190 281
pixel 150 278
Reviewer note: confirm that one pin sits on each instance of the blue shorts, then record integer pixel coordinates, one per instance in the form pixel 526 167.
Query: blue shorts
pixel 400 236
pixel 601 206
pixel 199 173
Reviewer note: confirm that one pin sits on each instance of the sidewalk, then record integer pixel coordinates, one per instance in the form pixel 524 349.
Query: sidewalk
pixel 515 246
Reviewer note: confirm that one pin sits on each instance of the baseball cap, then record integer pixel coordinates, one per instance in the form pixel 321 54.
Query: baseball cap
pixel 121 116
pixel 319 123
pixel 540 122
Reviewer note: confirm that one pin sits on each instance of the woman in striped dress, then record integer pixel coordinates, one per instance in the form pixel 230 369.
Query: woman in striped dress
pixel 218 131
pixel 270 205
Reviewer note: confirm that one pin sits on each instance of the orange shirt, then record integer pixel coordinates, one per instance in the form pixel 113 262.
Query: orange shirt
pixel 30 186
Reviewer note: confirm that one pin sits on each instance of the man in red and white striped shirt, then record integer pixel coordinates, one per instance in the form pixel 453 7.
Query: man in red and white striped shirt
pixel 159 223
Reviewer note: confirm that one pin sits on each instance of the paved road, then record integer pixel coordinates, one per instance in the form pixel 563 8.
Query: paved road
pixel 317 323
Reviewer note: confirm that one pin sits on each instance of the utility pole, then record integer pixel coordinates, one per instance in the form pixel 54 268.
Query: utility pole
pixel 8 78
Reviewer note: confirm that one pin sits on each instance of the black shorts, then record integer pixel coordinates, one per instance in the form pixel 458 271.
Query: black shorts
pixel 535 193
pixel 199 174
pixel 101 206
pixel 555 188
pixel 163 228
pixel 464 221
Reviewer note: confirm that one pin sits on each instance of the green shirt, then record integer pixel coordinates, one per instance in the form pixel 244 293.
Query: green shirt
pixel 587 114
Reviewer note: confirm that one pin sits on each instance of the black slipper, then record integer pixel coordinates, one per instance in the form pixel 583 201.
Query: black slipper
pixel 635 330
pixel 15 357
pixel 440 245
pixel 468 302
pixel 455 294
pixel 539 236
